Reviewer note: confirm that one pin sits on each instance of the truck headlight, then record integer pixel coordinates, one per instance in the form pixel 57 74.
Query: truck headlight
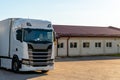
pixel 27 62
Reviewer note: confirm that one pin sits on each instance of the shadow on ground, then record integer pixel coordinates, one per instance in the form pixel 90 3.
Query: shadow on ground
pixel 29 75
pixel 88 58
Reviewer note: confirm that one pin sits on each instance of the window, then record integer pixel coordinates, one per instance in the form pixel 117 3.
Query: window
pixel 73 44
pixel 109 44
pixel 86 45
pixel 98 44
pixel 60 45
pixel 19 35
pixel 38 35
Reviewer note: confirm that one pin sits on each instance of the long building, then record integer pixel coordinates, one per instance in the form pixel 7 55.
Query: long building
pixel 86 40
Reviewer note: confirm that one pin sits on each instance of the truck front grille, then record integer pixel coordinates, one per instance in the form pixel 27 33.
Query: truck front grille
pixel 40 58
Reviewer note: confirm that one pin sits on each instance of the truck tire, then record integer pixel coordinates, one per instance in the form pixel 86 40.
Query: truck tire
pixel 15 65
pixel 44 71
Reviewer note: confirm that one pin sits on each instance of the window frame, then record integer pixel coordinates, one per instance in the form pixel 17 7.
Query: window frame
pixel 98 44
pixel 60 45
pixel 109 44
pixel 73 44
pixel 86 44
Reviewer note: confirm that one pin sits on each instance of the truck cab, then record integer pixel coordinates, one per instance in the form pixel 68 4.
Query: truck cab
pixel 30 45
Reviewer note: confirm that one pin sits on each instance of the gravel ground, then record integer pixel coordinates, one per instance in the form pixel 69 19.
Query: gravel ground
pixel 77 68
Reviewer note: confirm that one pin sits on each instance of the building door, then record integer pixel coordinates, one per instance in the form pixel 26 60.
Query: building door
pixel 74 48
pixel 62 48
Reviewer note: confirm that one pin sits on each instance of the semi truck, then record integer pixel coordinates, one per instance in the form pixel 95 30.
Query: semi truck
pixel 26 44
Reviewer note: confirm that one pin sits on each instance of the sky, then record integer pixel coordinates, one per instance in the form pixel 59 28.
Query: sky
pixel 64 12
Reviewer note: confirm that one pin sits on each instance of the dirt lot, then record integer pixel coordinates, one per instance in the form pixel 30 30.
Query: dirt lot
pixel 78 68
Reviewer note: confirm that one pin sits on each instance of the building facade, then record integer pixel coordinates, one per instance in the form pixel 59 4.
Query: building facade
pixel 86 40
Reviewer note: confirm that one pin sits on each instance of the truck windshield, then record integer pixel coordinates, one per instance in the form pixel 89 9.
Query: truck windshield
pixel 38 35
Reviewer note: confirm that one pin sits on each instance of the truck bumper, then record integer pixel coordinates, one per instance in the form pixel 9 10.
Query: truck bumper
pixel 31 68
pixel 29 65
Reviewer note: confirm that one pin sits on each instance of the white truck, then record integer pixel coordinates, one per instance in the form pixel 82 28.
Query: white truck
pixel 26 44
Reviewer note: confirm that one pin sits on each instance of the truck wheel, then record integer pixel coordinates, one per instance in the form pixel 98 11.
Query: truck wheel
pixel 44 71
pixel 15 65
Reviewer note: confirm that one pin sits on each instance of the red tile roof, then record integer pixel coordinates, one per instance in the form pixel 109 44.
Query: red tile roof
pixel 86 31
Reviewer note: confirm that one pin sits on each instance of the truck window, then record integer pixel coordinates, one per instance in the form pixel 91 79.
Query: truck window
pixel 38 35
pixel 19 35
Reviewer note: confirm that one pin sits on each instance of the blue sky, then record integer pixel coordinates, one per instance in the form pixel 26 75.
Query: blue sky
pixel 65 12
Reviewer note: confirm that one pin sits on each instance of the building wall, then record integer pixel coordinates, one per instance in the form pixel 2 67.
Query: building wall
pixel 91 50
pixel 62 51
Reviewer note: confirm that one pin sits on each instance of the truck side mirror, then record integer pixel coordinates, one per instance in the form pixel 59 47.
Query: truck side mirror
pixel 19 35
pixel 54 36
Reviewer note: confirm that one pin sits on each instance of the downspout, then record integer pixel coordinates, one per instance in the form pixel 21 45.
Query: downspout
pixel 57 48
pixel 104 47
pixel 68 46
